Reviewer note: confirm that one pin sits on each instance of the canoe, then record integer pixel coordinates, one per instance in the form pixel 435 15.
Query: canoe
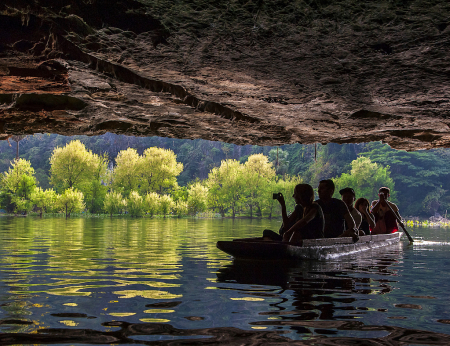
pixel 318 249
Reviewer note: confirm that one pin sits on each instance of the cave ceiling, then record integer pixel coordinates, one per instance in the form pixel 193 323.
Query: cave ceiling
pixel 244 72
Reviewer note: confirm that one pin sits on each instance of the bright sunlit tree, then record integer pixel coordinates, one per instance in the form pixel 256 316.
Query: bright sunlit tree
pixel 17 186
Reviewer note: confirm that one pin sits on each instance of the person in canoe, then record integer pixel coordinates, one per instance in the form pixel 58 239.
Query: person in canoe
pixel 305 222
pixel 368 220
pixel 348 197
pixel 385 213
pixel 311 225
pixel 338 221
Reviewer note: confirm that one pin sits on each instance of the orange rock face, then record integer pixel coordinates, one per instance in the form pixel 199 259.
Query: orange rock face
pixel 78 67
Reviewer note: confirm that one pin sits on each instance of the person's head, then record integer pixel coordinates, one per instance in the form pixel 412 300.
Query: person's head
pixel 326 189
pixel 303 194
pixel 348 196
pixel 384 191
pixel 362 204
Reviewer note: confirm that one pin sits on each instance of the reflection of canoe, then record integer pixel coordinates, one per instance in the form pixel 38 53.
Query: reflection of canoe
pixel 310 249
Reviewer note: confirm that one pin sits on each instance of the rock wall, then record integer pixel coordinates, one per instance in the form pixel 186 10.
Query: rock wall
pixel 249 73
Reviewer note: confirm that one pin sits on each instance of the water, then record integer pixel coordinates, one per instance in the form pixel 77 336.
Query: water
pixel 163 282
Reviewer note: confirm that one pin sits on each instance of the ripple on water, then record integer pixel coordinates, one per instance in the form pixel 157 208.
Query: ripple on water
pixel 127 281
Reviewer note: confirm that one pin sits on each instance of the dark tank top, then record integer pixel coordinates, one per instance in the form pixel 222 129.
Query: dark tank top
pixel 314 228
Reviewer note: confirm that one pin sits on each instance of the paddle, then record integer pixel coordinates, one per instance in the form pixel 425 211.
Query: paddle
pixel 411 240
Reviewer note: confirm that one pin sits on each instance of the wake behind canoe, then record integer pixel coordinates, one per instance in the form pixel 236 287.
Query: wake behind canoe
pixel 319 249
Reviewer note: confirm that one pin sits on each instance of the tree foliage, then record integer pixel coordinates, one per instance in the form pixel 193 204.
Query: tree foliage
pixel 167 204
pixel 422 178
pixel 44 200
pixel 152 203
pixel 197 198
pixel 158 170
pixel 135 204
pixel 17 186
pixel 257 174
pixel 366 177
pixel 114 203
pixel 71 201
pixel 226 185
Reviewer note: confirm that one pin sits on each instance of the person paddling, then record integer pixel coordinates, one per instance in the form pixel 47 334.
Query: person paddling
pixel 383 211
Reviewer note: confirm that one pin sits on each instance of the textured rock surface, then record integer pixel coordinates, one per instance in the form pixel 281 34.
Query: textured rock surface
pixel 334 74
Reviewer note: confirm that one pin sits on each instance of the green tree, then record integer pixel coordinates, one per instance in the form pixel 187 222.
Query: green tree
pixel 278 157
pixel 167 204
pixel 180 208
pixel 258 172
pixel 152 203
pixel 366 177
pixel 17 185
pixel 225 185
pixel 135 204
pixel 197 200
pixel 158 170
pixel 71 201
pixel 125 174
pixel 71 166
pixel 95 189
pixel 419 177
pixel 44 200
pixel 114 203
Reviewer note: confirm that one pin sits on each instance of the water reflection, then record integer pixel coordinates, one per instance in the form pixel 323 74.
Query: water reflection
pixel 317 290
pixel 319 299
pixel 164 282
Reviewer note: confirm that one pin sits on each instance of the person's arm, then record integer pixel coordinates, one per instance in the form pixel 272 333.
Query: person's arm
pixel 311 214
pixel 395 209
pixel 287 220
pixel 349 221
pixel 343 209
pixel 376 206
pixel 369 217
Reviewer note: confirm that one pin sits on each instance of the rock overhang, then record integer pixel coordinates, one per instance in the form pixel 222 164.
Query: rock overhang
pixel 75 67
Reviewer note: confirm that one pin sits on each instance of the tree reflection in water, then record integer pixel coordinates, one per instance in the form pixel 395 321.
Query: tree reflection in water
pixel 117 281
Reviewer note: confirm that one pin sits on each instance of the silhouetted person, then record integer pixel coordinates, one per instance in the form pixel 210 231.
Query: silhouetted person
pixel 368 220
pixel 383 211
pixel 335 213
pixel 311 225
pixel 288 221
pixel 348 197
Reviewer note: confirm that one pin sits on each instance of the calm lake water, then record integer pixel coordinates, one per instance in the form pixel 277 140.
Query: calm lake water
pixel 164 282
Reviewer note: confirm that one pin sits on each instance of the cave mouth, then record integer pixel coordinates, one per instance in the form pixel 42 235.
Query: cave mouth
pixel 274 74
pixel 419 179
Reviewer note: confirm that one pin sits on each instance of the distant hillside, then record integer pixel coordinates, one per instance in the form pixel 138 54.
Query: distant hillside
pixel 422 179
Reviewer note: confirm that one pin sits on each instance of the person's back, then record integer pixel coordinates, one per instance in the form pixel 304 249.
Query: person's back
pixel 333 213
pixel 315 228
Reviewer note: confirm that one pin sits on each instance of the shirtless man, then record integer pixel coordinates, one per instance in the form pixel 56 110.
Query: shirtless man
pixel 385 219
pixel 335 213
